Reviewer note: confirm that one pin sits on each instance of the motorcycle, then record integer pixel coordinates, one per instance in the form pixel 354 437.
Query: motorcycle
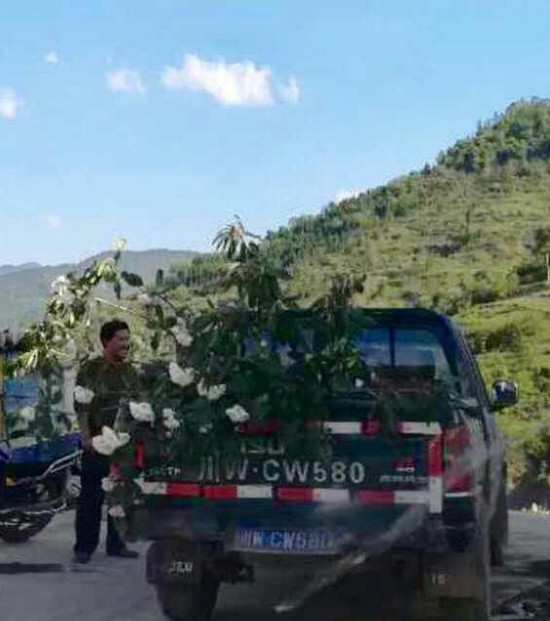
pixel 35 474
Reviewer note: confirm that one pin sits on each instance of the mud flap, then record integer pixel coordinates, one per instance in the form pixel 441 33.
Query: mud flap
pixel 174 561
pixel 452 575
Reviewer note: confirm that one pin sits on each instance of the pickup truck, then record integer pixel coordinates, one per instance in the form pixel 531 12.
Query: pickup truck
pixel 425 485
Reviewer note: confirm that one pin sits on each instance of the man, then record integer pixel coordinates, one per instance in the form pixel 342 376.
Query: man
pixel 111 378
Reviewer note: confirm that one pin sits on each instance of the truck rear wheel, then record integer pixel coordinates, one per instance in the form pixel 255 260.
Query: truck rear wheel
pixel 188 603
pixel 499 529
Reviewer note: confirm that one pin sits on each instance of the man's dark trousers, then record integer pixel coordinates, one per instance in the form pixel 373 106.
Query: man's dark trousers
pixel 88 512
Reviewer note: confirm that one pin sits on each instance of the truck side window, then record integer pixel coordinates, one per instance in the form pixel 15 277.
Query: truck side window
pixel 467 377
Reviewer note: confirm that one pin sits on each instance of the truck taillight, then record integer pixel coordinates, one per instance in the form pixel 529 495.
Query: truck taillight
pixel 258 428
pixel 458 461
pixel 139 456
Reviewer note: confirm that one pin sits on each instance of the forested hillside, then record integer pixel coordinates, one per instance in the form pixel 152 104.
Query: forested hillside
pixel 468 236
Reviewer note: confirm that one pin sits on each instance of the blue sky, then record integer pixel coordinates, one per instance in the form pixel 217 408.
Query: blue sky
pixel 159 121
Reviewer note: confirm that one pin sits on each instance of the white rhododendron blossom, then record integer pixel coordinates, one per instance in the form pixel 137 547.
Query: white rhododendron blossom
pixel 237 414
pixel 205 428
pixel 181 333
pixel 285 358
pixel 117 512
pixel 109 441
pixel 169 419
pixel 60 289
pixel 212 393
pixel 107 484
pixel 27 414
pixel 142 412
pixel 145 298
pixel 83 395
pixel 70 350
pixel 359 383
pixel 179 376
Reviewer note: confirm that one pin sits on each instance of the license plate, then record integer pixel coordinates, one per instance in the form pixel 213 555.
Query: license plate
pixel 287 541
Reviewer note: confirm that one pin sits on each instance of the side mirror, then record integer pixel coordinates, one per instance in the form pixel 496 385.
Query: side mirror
pixel 504 394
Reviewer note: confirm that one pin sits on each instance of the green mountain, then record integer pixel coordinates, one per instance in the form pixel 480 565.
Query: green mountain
pixel 458 236
pixel 24 289
pixel 9 269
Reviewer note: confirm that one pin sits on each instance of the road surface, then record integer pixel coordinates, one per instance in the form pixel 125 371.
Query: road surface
pixel 115 589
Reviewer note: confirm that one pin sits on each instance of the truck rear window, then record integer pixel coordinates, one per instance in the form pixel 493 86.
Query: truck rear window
pixel 388 354
pixel 402 358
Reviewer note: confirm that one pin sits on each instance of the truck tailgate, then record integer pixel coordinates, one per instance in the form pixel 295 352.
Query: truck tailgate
pixel 372 480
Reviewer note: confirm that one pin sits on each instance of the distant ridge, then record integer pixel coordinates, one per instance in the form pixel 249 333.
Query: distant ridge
pixel 24 288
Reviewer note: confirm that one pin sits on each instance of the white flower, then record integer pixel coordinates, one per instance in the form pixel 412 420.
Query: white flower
pixel 145 298
pixel 212 393
pixel 181 377
pixel 170 421
pixel 284 358
pixel 27 414
pixel 181 333
pixel 142 412
pixel 117 512
pixel 205 428
pixel 83 395
pixel 70 350
pixel 237 414
pixel 107 484
pixel 215 392
pixel 109 441
pixel 60 289
pixel 359 383
pixel 264 343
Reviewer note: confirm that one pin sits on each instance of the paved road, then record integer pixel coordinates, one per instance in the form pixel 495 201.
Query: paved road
pixel 115 590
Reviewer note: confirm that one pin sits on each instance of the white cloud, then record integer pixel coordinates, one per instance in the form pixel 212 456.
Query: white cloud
pixel 51 57
pixel 344 195
pixel 54 222
pixel 232 84
pixel 291 92
pixel 10 103
pixel 125 81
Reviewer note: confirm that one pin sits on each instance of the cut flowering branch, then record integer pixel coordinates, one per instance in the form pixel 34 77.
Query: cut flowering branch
pixel 125 309
pixel 240 361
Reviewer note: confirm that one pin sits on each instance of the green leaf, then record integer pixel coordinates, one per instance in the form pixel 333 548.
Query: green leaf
pixel 155 341
pixel 160 313
pixel 120 244
pixel 134 280
pixel 170 322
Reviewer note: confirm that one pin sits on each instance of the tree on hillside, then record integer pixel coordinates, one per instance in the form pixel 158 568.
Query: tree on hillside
pixel 542 247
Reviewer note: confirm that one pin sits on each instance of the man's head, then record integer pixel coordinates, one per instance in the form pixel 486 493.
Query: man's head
pixel 115 338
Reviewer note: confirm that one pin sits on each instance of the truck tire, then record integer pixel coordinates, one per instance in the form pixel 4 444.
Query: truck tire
pixel 499 529
pixel 188 603
pixel 20 531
